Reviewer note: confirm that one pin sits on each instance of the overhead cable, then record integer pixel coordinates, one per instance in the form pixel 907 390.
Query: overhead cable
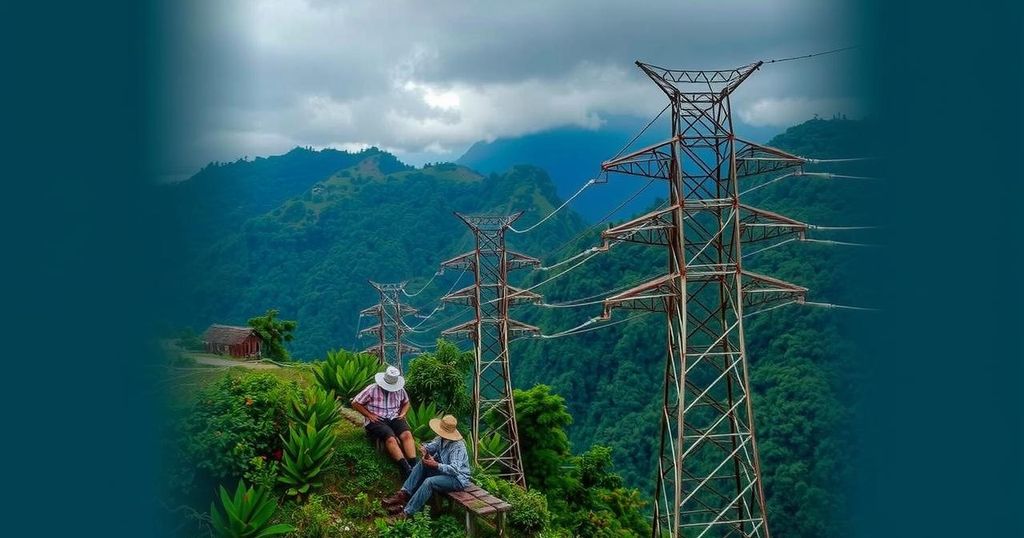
pixel 805 56
pixel 557 209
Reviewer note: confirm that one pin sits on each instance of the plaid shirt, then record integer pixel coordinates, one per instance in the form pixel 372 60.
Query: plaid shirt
pixel 381 402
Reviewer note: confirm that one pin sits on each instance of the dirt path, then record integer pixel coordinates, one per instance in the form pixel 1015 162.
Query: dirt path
pixel 216 361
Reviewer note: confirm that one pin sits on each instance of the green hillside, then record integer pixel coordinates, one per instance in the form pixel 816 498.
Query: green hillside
pixel 310 256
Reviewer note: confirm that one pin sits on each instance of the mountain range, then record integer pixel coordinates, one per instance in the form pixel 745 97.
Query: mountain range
pixel 573 155
pixel 304 232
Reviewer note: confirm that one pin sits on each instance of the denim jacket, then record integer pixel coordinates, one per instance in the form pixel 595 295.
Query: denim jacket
pixel 452 458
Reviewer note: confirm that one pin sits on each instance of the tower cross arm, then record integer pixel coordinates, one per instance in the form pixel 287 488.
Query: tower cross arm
pixel 515 260
pixel 462 261
pixel 648 296
pixel 651 228
pixel 695 83
pixel 761 225
pixel 755 159
pixel 760 290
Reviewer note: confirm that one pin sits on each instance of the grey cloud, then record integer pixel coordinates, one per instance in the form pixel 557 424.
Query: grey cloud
pixel 427 79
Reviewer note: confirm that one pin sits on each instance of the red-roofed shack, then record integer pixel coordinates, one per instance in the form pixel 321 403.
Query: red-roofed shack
pixel 234 341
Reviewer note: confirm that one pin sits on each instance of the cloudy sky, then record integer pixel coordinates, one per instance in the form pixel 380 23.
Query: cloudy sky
pixel 426 79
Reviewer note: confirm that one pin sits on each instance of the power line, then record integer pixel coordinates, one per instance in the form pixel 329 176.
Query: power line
pixel 440 304
pixel 805 56
pixel 642 131
pixel 841 307
pixel 593 181
pixel 837 243
pixel 436 274
pixel 582 328
pixel 801 173
pixel 557 209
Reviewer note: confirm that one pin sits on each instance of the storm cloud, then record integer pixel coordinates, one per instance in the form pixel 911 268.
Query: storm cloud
pixel 427 79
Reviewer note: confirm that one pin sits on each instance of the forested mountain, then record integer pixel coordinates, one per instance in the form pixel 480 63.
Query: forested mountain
pixel 213 203
pixel 311 253
pixel 572 155
pixel 306 243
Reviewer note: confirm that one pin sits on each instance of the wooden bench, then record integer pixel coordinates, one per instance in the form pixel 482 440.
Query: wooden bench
pixel 477 502
pixel 480 504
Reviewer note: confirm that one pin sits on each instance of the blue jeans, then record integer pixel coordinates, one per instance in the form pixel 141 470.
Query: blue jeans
pixel 423 482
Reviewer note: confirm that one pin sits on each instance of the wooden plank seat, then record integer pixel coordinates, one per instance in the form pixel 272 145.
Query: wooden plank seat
pixel 480 504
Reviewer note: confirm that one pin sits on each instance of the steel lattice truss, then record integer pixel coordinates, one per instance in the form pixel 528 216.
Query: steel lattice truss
pixel 390 328
pixel 708 478
pixel 494 418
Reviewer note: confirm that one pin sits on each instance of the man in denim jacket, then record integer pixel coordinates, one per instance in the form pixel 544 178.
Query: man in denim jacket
pixel 444 467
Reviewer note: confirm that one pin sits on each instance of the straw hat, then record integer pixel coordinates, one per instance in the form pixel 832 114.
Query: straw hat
pixel 446 427
pixel 390 379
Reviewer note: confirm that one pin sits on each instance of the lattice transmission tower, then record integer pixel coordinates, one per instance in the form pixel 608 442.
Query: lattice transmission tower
pixel 708 477
pixel 390 328
pixel 494 418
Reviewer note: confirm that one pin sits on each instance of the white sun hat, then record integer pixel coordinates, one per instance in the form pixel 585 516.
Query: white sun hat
pixel 390 379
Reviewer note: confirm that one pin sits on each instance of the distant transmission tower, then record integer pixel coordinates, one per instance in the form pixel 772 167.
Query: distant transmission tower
pixel 708 477
pixel 390 328
pixel 494 418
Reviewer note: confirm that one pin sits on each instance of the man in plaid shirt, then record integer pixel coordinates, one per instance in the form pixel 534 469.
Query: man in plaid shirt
pixel 383 405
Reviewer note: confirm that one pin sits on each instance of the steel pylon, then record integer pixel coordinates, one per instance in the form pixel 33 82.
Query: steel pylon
pixel 390 327
pixel 708 477
pixel 494 418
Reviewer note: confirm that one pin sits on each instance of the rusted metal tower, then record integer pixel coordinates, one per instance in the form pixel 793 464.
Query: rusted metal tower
pixel 390 328
pixel 494 418
pixel 708 477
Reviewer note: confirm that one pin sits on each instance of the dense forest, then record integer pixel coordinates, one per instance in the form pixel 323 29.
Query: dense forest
pixel 308 245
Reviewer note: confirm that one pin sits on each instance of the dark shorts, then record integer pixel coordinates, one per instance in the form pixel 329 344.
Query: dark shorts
pixel 387 428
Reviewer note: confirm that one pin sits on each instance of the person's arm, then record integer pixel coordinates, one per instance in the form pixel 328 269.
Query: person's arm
pixel 370 415
pixel 357 404
pixel 404 409
pixel 431 447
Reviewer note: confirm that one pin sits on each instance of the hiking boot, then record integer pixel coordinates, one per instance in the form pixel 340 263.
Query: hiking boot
pixel 399 498
pixel 396 509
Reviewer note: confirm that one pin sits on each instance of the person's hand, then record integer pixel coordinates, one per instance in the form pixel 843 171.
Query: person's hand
pixel 423 451
pixel 373 417
pixel 429 462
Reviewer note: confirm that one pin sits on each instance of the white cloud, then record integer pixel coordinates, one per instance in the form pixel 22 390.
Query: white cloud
pixel 786 111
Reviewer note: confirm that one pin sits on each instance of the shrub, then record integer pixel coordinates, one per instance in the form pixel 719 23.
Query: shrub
pixel 229 424
pixel 346 373
pixel 492 446
pixel 447 527
pixel 529 515
pixel 189 340
pixel 419 421
pixel 315 402
pixel 246 514
pixel 418 526
pixel 306 451
pixel 313 520
pixel 262 472
pixel 440 378
pixel 356 462
pixel 363 506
